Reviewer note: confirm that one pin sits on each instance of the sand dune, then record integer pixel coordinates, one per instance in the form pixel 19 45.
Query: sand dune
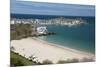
pixel 44 50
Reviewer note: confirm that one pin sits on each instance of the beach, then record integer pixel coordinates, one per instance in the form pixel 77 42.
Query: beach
pixel 43 50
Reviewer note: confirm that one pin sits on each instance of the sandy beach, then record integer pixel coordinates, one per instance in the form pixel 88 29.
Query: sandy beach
pixel 44 50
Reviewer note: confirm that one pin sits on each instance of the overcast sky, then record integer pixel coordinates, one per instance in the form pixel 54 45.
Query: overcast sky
pixel 30 7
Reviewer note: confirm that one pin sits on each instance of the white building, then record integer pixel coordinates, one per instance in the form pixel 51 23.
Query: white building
pixel 12 22
pixel 42 30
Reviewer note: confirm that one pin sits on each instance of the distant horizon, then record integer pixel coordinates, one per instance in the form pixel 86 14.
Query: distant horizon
pixel 49 15
pixel 35 16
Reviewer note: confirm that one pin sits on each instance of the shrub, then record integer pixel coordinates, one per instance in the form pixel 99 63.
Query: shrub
pixel 62 61
pixel 68 61
pixel 16 62
pixel 87 60
pixel 19 60
pixel 47 62
pixel 74 60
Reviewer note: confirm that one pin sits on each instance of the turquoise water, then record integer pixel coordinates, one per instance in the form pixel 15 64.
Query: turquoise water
pixel 78 37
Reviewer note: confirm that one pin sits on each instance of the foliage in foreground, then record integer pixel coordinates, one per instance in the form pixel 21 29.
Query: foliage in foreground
pixel 18 60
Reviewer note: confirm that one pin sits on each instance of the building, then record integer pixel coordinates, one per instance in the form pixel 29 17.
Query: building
pixel 42 30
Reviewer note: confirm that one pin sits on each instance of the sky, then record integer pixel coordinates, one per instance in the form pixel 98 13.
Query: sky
pixel 86 2
pixel 43 8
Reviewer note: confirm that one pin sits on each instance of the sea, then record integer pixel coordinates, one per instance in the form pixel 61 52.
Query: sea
pixel 81 37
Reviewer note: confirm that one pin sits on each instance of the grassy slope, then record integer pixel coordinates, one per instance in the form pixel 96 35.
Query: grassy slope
pixel 18 60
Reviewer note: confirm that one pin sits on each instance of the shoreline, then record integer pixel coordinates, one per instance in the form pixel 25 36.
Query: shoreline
pixel 63 47
pixel 44 50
